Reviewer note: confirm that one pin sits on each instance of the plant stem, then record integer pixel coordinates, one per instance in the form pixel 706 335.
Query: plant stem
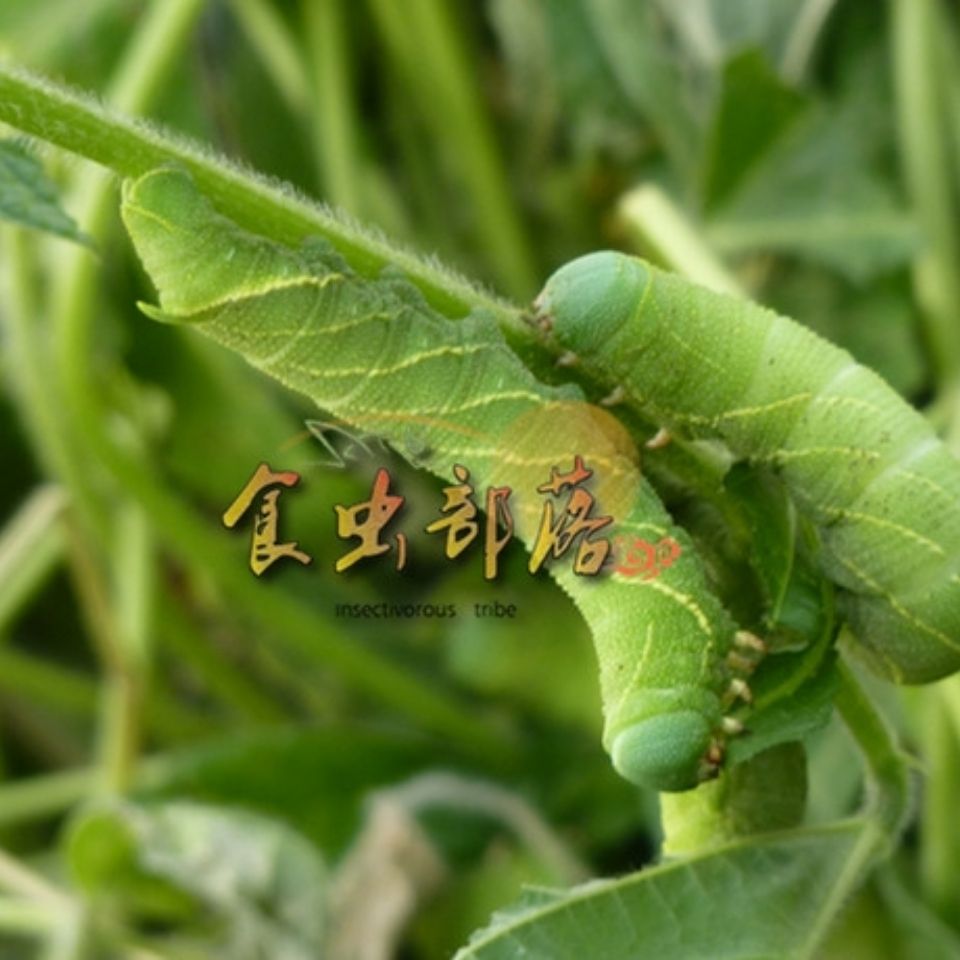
pixel 31 546
pixel 134 583
pixel 74 694
pixel 803 37
pixel 888 798
pixel 923 123
pixel 938 836
pixel 889 783
pixel 117 702
pixel 79 124
pixel 51 794
pixel 657 225
pixel 333 121
pixel 39 403
pixel 46 795
pixel 122 623
pixel 278 50
pixel 432 56
pixel 223 679
pixel 19 916
pixel 18 878
pixel 431 790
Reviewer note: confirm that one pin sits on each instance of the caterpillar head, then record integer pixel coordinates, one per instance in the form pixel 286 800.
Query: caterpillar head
pixel 587 300
pixel 666 753
pixel 665 738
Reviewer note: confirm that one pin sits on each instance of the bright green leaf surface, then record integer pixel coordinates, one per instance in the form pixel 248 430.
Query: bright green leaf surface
pixel 771 898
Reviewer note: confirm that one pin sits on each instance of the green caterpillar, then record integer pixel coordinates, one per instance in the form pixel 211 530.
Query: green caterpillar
pixel 867 469
pixel 374 354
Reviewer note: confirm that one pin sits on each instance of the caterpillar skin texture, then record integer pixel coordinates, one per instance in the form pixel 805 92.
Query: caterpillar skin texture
pixel 882 490
pixel 374 354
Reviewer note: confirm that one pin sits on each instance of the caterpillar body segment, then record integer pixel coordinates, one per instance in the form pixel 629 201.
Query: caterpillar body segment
pixel 867 469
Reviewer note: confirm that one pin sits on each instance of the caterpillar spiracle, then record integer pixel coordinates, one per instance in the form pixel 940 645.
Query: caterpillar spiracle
pixel 374 354
pixel 881 489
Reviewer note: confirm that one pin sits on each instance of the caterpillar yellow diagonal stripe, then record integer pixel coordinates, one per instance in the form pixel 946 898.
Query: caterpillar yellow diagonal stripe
pixel 373 353
pixel 882 490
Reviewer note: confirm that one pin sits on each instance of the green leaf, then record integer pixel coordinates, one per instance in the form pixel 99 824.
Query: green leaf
pixel 888 921
pixel 822 192
pixel 29 197
pixel 712 31
pixel 591 106
pixel 812 201
pixel 634 52
pixel 771 521
pixel 787 708
pixel 754 111
pixel 777 896
pixel 782 553
pixel 743 23
pixel 262 884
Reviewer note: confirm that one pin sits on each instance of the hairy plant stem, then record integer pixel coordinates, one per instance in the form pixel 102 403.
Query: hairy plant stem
pixel 77 123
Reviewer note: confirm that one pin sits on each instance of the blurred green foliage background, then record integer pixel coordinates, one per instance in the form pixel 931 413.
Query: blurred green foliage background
pixel 289 775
